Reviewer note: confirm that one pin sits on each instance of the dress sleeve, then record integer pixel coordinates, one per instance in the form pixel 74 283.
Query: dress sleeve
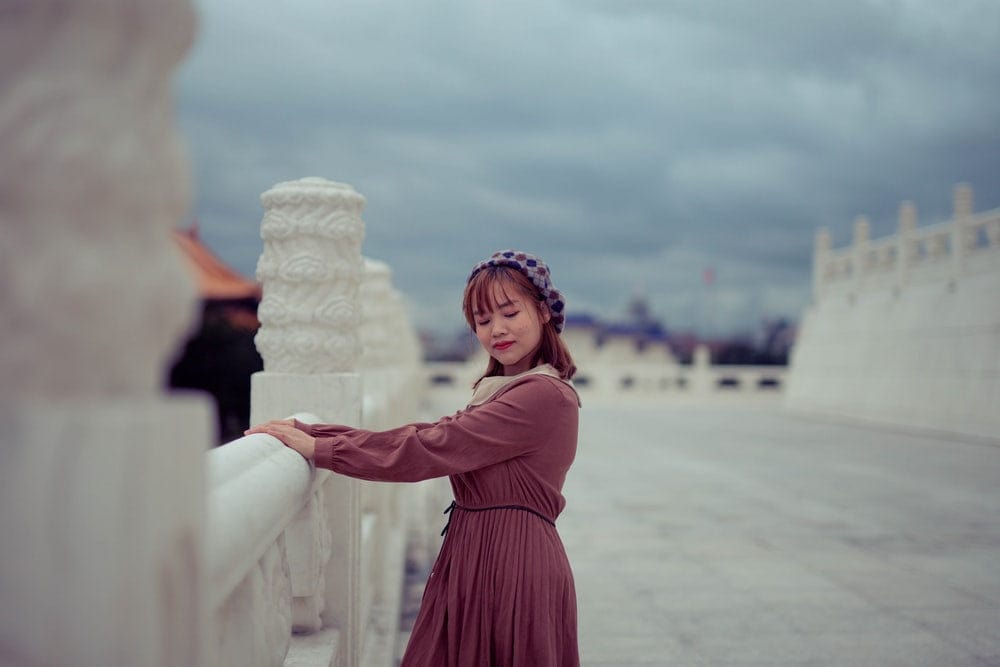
pixel 517 421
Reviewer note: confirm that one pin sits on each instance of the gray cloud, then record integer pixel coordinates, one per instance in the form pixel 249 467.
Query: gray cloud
pixel 631 144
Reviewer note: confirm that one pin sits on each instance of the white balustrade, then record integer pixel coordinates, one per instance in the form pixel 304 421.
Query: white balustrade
pixel 634 380
pixel 306 566
pixel 912 254
pixel 269 544
pixel 904 329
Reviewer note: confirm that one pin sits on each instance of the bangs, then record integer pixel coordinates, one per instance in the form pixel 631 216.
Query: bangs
pixel 481 291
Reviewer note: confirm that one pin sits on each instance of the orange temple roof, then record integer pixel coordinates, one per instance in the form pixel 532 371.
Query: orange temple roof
pixel 215 279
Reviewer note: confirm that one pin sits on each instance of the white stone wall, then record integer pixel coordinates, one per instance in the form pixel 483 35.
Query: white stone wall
pixel 906 330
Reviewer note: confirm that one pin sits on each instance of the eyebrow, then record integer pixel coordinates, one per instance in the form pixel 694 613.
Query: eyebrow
pixel 499 305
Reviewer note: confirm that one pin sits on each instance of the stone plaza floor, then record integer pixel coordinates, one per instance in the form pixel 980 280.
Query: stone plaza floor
pixel 744 535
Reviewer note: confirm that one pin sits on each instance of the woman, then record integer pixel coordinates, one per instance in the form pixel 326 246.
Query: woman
pixel 501 591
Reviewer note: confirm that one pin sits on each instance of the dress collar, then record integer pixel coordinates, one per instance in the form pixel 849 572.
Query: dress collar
pixel 488 386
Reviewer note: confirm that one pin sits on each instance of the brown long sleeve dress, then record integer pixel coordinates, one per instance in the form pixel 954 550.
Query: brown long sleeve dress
pixel 501 591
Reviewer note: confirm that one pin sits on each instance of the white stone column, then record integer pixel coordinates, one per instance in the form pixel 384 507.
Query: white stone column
pixel 859 252
pixel 701 372
pixel 961 239
pixel 391 356
pixel 101 475
pixel 311 269
pixel 962 201
pixel 821 259
pixel 906 249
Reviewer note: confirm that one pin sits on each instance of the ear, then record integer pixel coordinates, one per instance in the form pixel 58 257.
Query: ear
pixel 543 309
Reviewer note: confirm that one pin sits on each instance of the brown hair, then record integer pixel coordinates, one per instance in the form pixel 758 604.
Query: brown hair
pixel 479 291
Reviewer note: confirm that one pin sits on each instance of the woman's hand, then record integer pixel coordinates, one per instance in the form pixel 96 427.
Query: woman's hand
pixel 285 431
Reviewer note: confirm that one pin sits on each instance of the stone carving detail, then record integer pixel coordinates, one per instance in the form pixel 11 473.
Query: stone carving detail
pixel 310 269
pixel 93 294
pixel 254 623
pixel 308 542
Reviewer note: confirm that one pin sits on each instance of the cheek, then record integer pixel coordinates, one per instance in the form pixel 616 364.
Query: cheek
pixel 483 334
pixel 533 330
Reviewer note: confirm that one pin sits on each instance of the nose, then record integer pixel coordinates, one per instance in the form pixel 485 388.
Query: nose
pixel 498 328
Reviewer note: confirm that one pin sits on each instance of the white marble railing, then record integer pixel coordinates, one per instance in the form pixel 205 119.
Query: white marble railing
pixel 943 251
pixel 257 487
pixel 306 566
pixel 665 381
pixel 904 330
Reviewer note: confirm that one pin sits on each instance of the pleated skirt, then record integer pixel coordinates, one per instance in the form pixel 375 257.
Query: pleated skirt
pixel 501 594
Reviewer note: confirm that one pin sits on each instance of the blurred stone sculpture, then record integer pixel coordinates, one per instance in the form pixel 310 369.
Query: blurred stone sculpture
pixel 101 476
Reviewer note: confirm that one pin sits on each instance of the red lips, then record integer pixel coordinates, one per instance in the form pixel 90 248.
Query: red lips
pixel 503 346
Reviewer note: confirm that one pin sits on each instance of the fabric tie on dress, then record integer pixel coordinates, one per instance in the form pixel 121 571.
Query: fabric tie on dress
pixel 456 506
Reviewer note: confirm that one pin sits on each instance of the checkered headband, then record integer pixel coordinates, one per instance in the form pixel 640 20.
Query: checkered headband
pixel 536 270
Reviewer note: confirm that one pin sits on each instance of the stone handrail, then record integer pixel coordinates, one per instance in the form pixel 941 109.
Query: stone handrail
pixel 256 486
pixel 101 485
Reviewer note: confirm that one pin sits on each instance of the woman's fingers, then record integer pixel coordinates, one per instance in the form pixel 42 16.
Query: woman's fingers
pixel 285 431
pixel 263 427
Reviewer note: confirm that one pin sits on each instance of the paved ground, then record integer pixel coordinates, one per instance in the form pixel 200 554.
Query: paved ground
pixel 729 535
pixel 744 536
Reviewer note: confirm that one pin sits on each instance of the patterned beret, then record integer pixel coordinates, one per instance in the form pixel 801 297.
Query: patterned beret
pixel 536 270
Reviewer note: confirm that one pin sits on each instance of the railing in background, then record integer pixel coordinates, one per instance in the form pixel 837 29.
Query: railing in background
pixel 662 381
pixel 904 330
pixel 942 251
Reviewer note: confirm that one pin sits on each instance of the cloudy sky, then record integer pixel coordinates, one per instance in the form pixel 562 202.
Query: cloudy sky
pixel 630 143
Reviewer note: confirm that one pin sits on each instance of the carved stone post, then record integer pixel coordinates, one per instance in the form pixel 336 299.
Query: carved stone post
pixel 961 239
pixel 859 255
pixel 101 475
pixel 962 201
pixel 821 258
pixel 311 269
pixel 906 249
pixel 701 372
pixel 377 294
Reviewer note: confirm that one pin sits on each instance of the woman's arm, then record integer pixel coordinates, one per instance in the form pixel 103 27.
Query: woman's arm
pixel 516 422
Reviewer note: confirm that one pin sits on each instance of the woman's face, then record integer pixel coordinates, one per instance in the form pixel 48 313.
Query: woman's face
pixel 511 332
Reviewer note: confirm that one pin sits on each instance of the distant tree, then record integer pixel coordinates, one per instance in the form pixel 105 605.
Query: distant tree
pixel 736 351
